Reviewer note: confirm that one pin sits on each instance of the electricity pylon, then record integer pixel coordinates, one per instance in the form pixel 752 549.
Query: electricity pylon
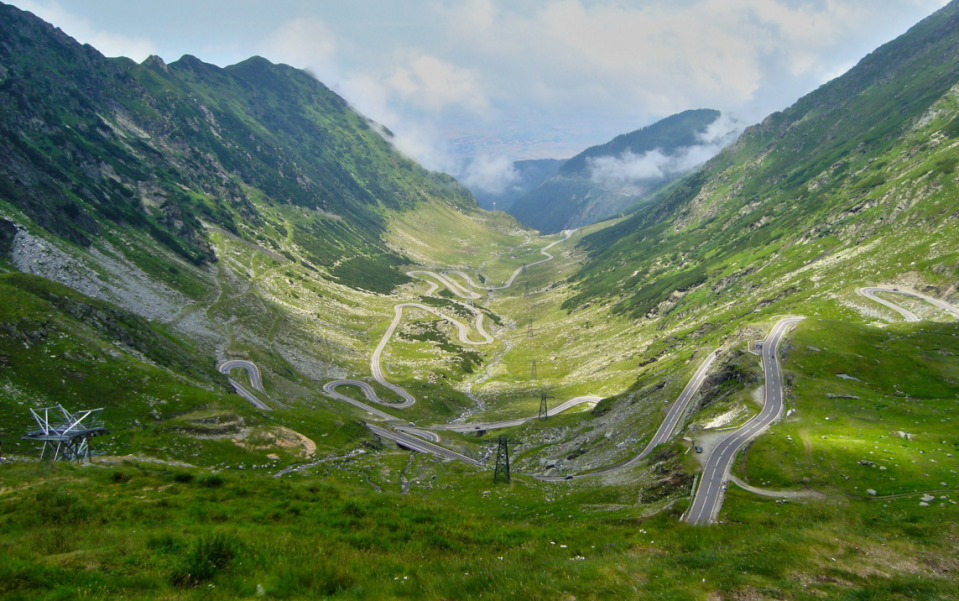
pixel 501 473
pixel 529 329
pixel 68 433
pixel 469 300
pixel 543 408
pixel 532 370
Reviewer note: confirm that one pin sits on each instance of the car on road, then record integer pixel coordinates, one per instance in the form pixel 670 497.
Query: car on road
pixel 568 478
pixel 699 448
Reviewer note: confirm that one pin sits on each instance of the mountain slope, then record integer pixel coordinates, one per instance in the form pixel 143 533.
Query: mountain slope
pixel 669 134
pixel 856 180
pixel 87 141
pixel 248 210
pixel 607 179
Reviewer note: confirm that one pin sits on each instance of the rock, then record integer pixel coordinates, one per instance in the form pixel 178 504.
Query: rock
pixel 260 591
pixel 923 504
pixel 866 463
pixel 882 467
pixel 927 497
pixel 901 434
pixel 871 492
pixel 8 231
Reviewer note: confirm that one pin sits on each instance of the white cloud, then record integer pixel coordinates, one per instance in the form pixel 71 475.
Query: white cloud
pixel 301 42
pixel 435 84
pixel 81 29
pixel 629 168
pixel 489 174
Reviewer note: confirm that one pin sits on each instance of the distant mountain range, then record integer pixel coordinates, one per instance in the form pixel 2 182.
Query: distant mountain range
pixel 611 178
pixel 530 175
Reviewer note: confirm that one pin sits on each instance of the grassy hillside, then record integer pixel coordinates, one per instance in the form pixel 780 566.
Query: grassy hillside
pixel 855 180
pixel 91 144
pixel 370 521
pixel 199 495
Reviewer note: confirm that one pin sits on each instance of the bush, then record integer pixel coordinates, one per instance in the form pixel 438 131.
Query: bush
pixel 183 478
pixel 211 481
pixel 207 557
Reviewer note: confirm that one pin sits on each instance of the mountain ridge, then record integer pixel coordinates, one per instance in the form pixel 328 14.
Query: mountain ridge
pixel 826 170
pixel 580 193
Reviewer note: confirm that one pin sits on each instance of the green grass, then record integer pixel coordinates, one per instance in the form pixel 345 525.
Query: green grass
pixel 908 384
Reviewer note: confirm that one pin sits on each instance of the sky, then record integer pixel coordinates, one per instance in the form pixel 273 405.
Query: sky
pixel 469 86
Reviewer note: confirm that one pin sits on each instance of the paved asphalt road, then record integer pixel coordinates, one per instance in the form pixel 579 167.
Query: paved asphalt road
pixel 665 429
pixel 251 369
pixel 254 372
pixel 463 331
pixel 870 293
pixel 416 444
pixel 712 483
pixel 518 270
pixel 511 423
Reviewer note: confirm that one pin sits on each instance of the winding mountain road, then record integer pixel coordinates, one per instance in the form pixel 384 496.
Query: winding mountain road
pixel 512 423
pixel 376 367
pixel 712 482
pixel 255 380
pixel 416 444
pixel 870 293
pixel 665 429
pixel 509 282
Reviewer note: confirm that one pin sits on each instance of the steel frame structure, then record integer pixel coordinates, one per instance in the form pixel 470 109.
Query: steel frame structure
pixel 501 472
pixel 69 433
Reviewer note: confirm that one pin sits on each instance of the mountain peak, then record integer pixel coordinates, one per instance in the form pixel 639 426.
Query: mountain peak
pixel 155 61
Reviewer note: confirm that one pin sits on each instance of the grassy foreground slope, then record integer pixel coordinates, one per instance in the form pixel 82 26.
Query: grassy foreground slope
pixel 374 522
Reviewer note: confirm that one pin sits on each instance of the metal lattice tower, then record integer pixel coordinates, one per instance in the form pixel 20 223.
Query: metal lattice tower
pixel 532 370
pixel 543 408
pixel 529 329
pixel 501 473
pixel 68 433
pixel 526 292
pixel 469 300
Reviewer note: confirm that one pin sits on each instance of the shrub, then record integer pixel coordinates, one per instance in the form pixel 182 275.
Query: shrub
pixel 183 477
pixel 211 481
pixel 207 557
